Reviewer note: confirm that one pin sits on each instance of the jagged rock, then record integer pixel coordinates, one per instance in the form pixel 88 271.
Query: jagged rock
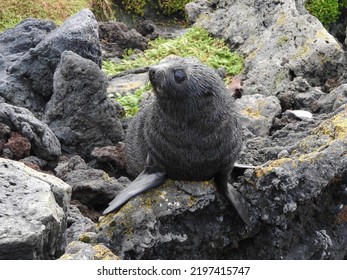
pixel 178 220
pixel 148 29
pixel 296 204
pixel 44 143
pixel 79 112
pixel 330 102
pixel 257 112
pixel 79 33
pixel 14 42
pixel 33 210
pixel 78 250
pixel 279 39
pixel 92 187
pixel 116 37
pixel 77 224
pixel 126 84
pixel 18 146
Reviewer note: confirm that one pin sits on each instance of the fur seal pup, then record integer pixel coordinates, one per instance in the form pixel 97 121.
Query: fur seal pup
pixel 188 131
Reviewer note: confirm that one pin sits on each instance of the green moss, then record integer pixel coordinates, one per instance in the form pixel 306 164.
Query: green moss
pixel 327 11
pixel 173 6
pixel 167 7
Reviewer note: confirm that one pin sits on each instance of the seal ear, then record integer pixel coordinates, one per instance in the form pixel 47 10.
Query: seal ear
pixel 152 176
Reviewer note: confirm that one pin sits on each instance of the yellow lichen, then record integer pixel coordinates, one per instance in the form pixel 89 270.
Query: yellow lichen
pixel 303 50
pixel 103 253
pixel 280 20
pixel 251 112
pixel 261 171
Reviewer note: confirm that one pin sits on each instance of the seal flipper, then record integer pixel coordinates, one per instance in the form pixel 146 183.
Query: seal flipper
pixel 151 177
pixel 234 196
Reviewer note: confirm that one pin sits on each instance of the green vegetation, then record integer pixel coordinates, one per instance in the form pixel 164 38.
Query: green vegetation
pixel 14 11
pixel 130 102
pixel 195 42
pixel 173 6
pixel 168 7
pixel 327 11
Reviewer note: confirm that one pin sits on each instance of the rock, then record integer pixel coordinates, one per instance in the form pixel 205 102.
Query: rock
pixel 279 39
pixel 92 187
pixel 79 112
pixel 148 29
pixel 78 33
pixel 126 84
pixel 116 38
pixel 44 143
pixel 258 112
pixel 173 221
pixel 77 224
pixel 78 250
pixel 330 102
pixel 14 42
pixel 111 154
pixel 296 202
pixel 33 210
pixel 5 131
pixel 18 145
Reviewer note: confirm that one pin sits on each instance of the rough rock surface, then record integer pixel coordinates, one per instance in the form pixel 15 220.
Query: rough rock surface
pixel 28 62
pixel 79 112
pixel 90 186
pixel 257 112
pixel 296 204
pixel 116 38
pixel 79 34
pixel 178 220
pixel 279 39
pixel 44 143
pixel 33 210
pixel 78 250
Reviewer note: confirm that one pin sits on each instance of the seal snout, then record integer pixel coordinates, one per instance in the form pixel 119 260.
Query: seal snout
pixel 151 75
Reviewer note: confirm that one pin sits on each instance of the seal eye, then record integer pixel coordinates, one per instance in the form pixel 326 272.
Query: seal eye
pixel 180 76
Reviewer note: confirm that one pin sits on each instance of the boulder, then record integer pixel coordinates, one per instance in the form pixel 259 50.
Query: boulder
pixel 296 198
pixel 14 42
pixel 116 38
pixel 279 39
pixel 31 51
pixel 44 143
pixel 33 214
pixel 257 112
pixel 178 220
pixel 79 112
pixel 79 33
pixel 92 187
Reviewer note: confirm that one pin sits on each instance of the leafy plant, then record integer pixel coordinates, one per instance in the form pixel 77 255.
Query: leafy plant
pixel 195 42
pixel 327 11
pixel 130 102
pixel 168 7
pixel 173 6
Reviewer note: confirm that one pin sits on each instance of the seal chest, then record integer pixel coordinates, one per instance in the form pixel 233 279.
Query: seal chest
pixel 188 130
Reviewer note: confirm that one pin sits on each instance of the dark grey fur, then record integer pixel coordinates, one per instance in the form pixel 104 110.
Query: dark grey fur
pixel 188 131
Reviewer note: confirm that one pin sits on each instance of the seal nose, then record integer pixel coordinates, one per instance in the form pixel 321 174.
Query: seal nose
pixel 151 74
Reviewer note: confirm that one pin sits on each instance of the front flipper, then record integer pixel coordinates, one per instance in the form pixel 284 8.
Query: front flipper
pixel 151 177
pixel 234 196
